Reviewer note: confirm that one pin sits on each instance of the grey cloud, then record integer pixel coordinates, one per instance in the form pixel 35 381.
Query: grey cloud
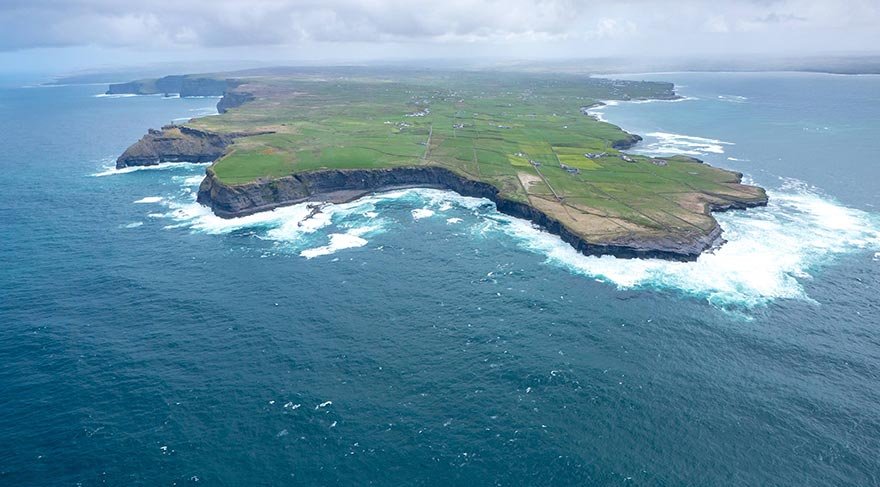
pixel 175 24
pixel 775 18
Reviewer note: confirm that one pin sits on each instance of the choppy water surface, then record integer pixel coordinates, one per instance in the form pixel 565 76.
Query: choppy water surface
pixel 422 337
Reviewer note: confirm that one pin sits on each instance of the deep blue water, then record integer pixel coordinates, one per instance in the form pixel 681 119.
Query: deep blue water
pixel 422 338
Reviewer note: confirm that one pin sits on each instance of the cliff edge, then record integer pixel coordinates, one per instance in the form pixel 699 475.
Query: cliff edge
pixel 521 142
pixel 174 143
pixel 340 186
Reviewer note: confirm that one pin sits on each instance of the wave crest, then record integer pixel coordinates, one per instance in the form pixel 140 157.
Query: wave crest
pixel 770 251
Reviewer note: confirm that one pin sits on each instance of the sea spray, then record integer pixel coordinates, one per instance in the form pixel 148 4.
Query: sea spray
pixel 664 143
pixel 769 251
pixel 768 254
pixel 109 170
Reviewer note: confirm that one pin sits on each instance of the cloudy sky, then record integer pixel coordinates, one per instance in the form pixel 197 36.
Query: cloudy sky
pixel 91 33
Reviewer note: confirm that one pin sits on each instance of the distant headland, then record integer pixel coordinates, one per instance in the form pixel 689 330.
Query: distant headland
pixel 526 141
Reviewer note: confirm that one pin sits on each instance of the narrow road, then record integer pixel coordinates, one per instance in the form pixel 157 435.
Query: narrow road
pixel 428 143
pixel 559 198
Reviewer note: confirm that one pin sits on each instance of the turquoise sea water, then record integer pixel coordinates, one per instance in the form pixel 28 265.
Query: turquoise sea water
pixel 422 338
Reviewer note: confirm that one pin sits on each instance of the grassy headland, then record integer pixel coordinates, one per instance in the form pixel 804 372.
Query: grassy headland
pixel 528 135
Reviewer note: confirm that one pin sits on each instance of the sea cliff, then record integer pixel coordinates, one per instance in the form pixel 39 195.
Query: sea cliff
pixel 535 158
pixel 179 143
pixel 174 144
pixel 338 186
pixel 234 98
pixel 184 85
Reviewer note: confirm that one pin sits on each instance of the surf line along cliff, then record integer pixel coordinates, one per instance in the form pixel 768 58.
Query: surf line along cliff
pixel 180 143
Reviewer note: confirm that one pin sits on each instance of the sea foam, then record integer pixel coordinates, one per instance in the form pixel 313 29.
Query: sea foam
pixel 150 199
pixel 769 251
pixel 117 95
pixel 113 171
pixel 598 112
pixel 420 213
pixel 338 241
pixel 657 100
pixel 732 98
pixel 294 228
pixel 665 143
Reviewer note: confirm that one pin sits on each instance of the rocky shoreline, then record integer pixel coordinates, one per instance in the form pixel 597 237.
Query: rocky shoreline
pixel 184 144
pixel 340 186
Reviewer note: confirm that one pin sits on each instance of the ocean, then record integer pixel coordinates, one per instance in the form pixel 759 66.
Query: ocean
pixel 422 338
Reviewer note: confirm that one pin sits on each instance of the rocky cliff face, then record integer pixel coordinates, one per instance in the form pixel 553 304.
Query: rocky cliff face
pixel 627 143
pixel 205 86
pixel 182 84
pixel 174 144
pixel 184 144
pixel 233 98
pixel 344 185
pixel 129 88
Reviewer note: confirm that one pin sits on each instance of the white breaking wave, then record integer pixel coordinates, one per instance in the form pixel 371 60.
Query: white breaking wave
pixel 150 199
pixel 292 227
pixel 420 213
pixel 769 251
pixel 339 241
pixel 733 98
pixel 598 112
pixel 117 95
pixel 198 113
pixel 112 171
pixel 171 96
pixel 655 100
pixel 769 254
pixel 200 218
pixel 667 143
pixel 193 180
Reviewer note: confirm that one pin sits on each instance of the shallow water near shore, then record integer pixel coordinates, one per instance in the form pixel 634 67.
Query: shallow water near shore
pixel 421 337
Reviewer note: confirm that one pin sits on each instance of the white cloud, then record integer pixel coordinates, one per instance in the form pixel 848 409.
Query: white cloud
pixel 626 26
pixel 613 29
pixel 716 24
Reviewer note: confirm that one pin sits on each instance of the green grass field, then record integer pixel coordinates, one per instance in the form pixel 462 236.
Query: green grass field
pixel 524 133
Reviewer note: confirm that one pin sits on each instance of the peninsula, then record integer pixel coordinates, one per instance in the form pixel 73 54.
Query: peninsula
pixel 526 141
